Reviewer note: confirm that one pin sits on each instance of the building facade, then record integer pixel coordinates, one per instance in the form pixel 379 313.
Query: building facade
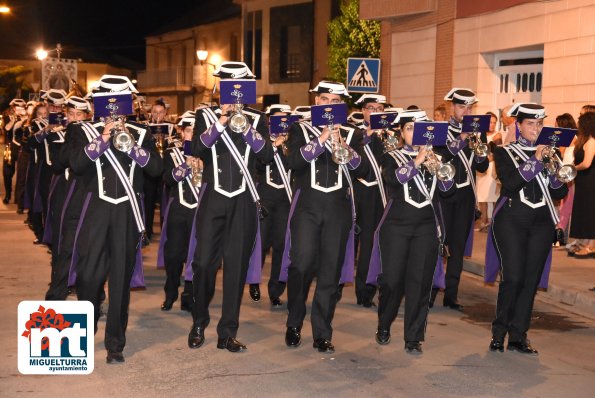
pixel 507 51
pixel 174 72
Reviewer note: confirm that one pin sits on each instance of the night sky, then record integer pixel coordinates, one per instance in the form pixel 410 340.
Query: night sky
pixel 109 31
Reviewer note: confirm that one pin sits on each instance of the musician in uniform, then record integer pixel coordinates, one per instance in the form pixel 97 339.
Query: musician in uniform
pixel 370 197
pixel 182 173
pixel 66 201
pixel 227 215
pixel 11 149
pixel 408 238
pixel 275 193
pixel 522 227
pixel 111 221
pixel 153 185
pixel 39 142
pixel 460 208
pixel 322 220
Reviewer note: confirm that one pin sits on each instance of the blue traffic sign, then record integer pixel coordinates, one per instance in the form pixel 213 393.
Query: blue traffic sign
pixel 363 75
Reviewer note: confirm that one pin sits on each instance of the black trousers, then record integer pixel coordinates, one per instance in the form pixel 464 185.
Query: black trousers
pixel 225 229
pixel 43 176
pixel 8 170
pixel 272 232
pixel 152 191
pixel 66 217
pixel 459 211
pixel 179 227
pixel 319 231
pixel 523 239
pixel 106 246
pixel 368 207
pixel 409 253
pixel 20 186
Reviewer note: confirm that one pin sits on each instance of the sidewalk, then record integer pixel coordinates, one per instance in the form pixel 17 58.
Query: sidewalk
pixel 570 278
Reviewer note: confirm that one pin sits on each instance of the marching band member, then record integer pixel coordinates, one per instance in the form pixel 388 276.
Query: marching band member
pixel 39 142
pixel 66 202
pixel 460 209
pixel 275 193
pixel 522 228
pixel 111 224
pixel 370 197
pixel 11 123
pixel 407 240
pixel 154 185
pixel 182 173
pixel 227 215
pixel 322 219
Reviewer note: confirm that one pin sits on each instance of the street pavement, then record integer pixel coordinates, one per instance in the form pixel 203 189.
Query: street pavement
pixel 455 362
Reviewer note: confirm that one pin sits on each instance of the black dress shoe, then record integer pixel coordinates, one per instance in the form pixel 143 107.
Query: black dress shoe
pixel 324 345
pixel 368 303
pixel 453 305
pixel 497 345
pixel 521 346
pixel 196 337
pixel 6 200
pixel 413 347
pixel 230 344
pixel 114 357
pixel 383 336
pixel 186 302
pixel 293 338
pixel 255 292
pixel 20 211
pixel 167 304
pixel 276 302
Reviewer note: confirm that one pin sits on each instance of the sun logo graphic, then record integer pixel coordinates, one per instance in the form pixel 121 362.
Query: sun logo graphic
pixel 55 337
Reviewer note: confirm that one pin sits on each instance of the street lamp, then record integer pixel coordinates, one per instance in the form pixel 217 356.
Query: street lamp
pixel 4 9
pixel 202 56
pixel 42 54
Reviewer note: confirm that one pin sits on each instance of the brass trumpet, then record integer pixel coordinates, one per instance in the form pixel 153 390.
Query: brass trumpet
pixel 123 139
pixel 442 171
pixel 552 162
pixel 479 148
pixel 341 155
pixel 196 172
pixel 238 122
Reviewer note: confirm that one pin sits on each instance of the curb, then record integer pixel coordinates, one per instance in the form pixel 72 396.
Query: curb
pixel 580 302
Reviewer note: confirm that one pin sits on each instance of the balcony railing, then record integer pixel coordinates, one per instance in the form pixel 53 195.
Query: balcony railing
pixel 166 79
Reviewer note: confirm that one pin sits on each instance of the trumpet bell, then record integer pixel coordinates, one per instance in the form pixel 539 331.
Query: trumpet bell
pixel 341 156
pixel 566 173
pixel 123 140
pixel 445 172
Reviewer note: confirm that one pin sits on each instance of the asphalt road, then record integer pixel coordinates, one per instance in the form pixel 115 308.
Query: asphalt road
pixel 455 362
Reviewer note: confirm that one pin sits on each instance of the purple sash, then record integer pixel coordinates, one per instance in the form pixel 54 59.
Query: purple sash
pixel 138 276
pixel 75 257
pixel 188 272
pixel 492 262
pixel 63 212
pixel 375 267
pixel 255 266
pixel 469 243
pixel 163 238
pixel 286 261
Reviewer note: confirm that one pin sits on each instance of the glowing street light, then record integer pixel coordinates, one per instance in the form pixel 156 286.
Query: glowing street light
pixel 4 9
pixel 202 56
pixel 41 54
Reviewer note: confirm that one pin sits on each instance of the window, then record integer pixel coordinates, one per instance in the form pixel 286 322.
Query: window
pixel 253 42
pixel 291 43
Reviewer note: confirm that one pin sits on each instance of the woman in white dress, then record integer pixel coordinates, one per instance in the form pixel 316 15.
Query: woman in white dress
pixel 487 186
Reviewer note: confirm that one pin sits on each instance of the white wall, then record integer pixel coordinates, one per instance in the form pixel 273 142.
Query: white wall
pixel 565 29
pixel 412 68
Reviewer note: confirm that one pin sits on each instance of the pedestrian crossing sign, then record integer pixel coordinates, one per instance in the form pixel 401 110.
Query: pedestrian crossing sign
pixel 363 75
